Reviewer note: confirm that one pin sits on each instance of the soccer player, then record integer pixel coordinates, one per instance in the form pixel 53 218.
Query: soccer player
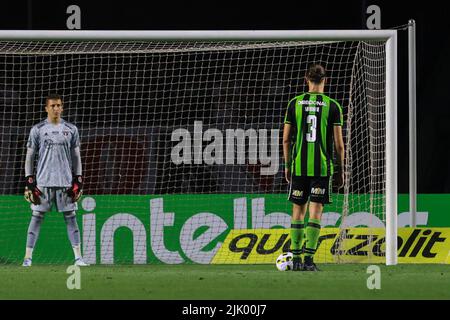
pixel 58 180
pixel 313 121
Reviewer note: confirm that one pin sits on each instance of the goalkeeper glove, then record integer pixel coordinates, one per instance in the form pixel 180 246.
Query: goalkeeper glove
pixel 76 190
pixel 32 193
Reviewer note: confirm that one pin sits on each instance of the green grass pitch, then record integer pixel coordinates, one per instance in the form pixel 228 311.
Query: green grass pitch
pixel 220 282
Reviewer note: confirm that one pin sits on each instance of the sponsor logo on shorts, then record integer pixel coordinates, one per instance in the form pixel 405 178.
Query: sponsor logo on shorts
pixel 317 191
pixel 297 193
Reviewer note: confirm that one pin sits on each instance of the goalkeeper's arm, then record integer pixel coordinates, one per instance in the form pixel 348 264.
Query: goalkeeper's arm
pixel 339 145
pixel 32 193
pixel 76 190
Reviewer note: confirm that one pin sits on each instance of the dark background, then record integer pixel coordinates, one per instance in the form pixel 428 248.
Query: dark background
pixel 433 50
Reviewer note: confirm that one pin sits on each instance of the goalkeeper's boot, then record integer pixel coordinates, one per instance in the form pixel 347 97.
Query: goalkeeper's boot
pixel 27 262
pixel 80 263
pixel 309 264
pixel 297 264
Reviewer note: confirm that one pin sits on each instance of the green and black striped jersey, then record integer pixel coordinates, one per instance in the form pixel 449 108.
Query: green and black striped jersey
pixel 312 116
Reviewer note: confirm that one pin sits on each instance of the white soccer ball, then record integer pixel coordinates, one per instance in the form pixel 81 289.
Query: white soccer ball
pixel 284 261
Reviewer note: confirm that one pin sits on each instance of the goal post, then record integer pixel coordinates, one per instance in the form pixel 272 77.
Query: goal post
pixel 391 150
pixel 387 123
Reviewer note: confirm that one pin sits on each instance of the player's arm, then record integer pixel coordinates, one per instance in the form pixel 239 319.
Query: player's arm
pixel 289 123
pixel 76 190
pixel 339 145
pixel 340 150
pixel 32 193
pixel 287 131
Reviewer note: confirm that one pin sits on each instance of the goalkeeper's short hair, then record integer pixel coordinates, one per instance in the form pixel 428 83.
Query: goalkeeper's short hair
pixel 53 96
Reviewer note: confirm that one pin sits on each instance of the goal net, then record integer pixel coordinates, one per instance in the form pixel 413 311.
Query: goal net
pixel 181 147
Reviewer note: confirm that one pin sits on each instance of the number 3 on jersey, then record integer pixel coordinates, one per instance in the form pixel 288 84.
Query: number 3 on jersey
pixel 311 120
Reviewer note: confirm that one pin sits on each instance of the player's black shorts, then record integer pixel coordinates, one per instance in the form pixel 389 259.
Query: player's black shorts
pixel 316 189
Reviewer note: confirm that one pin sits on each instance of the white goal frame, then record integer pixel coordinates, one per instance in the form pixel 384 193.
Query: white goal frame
pixel 390 36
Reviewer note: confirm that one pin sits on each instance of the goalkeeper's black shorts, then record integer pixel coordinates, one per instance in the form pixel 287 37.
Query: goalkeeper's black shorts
pixel 316 189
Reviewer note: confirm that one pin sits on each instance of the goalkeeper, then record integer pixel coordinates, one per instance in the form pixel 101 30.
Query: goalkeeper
pixel 58 180
pixel 313 121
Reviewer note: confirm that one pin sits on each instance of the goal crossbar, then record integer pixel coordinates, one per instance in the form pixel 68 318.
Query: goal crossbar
pixel 197 35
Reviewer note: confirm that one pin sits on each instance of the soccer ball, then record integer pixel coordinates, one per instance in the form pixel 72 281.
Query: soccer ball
pixel 284 261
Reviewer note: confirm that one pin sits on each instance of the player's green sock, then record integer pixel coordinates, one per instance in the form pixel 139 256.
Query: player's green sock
pixel 297 235
pixel 312 237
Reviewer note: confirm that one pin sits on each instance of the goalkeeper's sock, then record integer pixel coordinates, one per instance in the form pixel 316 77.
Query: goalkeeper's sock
pixel 72 229
pixel 34 229
pixel 312 237
pixel 77 252
pixel 28 253
pixel 297 236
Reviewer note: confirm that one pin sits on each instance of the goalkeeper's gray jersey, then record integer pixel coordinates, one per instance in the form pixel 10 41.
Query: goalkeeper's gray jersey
pixel 54 144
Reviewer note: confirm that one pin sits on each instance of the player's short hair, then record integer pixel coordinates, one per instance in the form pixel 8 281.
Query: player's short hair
pixel 316 73
pixel 53 96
